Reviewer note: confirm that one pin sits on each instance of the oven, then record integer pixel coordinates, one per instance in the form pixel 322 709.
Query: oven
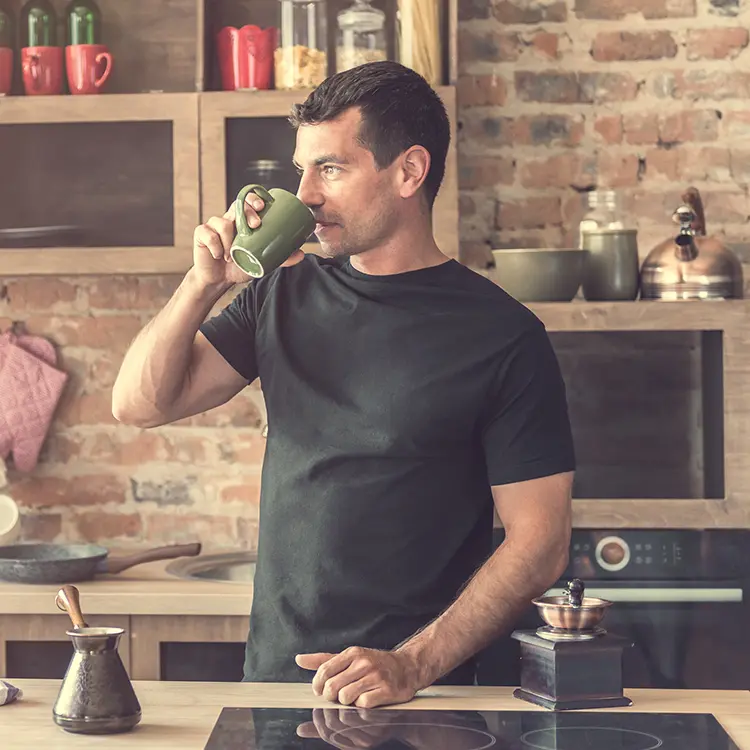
pixel 681 596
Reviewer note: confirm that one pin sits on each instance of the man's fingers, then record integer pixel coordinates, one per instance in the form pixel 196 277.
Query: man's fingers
pixel 209 238
pixel 331 668
pixel 225 229
pixel 343 681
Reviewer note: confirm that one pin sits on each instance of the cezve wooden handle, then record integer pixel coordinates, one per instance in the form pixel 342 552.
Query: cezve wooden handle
pixel 67 600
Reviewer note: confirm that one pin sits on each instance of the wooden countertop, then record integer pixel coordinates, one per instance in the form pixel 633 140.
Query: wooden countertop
pixel 180 715
pixel 146 589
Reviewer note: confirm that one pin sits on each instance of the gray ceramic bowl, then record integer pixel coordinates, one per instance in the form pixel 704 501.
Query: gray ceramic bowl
pixel 539 274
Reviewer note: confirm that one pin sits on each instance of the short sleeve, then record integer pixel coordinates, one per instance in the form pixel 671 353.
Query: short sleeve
pixel 526 431
pixel 232 333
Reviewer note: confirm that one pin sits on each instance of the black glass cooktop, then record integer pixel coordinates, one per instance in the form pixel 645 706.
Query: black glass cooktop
pixel 386 729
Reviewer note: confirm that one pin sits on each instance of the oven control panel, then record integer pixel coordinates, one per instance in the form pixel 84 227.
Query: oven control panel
pixel 634 553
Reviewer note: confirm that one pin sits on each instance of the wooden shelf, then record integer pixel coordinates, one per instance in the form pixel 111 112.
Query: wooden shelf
pixel 24 110
pixel 648 315
pixel 64 261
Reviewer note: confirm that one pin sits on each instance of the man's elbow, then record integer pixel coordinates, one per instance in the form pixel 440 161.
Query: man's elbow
pixel 124 412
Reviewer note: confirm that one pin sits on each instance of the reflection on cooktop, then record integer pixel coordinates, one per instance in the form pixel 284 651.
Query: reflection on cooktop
pixel 393 729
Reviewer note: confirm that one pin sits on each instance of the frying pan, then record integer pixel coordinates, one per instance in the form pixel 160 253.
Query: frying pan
pixel 69 563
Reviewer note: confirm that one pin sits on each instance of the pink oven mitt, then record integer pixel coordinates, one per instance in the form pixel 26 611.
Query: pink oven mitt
pixel 30 389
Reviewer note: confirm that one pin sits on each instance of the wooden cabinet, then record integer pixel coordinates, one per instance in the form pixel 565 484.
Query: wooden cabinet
pixel 36 646
pixel 121 179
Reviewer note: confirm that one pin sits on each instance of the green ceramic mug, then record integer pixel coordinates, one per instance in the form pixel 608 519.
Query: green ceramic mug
pixel 285 223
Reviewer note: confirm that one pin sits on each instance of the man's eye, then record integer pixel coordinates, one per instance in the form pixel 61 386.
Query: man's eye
pixel 331 170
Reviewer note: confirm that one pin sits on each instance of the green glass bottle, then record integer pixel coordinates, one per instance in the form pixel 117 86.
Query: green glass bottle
pixel 38 24
pixel 84 22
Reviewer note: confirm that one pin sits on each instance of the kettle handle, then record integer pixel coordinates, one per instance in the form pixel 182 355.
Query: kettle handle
pixel 692 198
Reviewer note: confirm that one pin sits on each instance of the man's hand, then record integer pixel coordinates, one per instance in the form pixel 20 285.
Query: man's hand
pixel 363 677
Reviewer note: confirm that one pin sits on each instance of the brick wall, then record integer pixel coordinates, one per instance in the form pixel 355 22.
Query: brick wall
pixel 98 480
pixel 560 96
pixel 556 97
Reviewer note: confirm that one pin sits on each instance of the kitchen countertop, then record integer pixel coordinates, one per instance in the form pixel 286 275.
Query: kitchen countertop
pixel 182 714
pixel 146 589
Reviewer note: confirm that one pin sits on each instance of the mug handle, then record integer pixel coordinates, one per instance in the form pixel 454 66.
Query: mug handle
pixel 107 70
pixel 239 206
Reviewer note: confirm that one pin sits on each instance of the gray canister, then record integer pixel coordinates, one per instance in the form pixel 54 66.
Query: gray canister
pixel 610 266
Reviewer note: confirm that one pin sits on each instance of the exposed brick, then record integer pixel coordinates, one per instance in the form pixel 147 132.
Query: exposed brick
pixel 703 84
pixel 607 87
pixel 164 492
pixel 716 44
pixel 547 237
pixel 633 45
pixel 95 525
pixel 40 527
pixel 610 128
pixel 247 449
pixel 530 11
pixel 703 164
pixel 737 124
pixel 641 128
pixel 618 170
pixel 466 205
pixel 723 206
pixel 132 292
pixel 482 90
pixel 39 294
pixel 485 171
pixel 85 408
pixel 191 450
pixel 740 166
pixel 247 493
pixel 548 130
pixel 563 170
pixel 110 332
pixel 546 45
pixel 548 86
pixel 663 161
pixel 725 7
pixel 528 213
pixel 478 129
pixel 468 10
pixel 690 125
pixel 46 492
pixel 488 46
pixel 615 9
pixel 211 530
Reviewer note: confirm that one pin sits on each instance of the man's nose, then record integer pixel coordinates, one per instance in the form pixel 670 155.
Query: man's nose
pixel 309 191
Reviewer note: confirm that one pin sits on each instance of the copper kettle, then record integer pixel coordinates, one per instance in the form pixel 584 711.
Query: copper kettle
pixel 691 265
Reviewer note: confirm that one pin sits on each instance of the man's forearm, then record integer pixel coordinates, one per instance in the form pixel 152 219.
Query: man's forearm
pixel 154 369
pixel 488 606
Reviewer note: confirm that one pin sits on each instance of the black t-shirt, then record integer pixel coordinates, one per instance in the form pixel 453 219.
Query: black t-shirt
pixel 394 403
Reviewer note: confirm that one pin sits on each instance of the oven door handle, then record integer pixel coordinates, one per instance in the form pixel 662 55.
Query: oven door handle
pixel 647 595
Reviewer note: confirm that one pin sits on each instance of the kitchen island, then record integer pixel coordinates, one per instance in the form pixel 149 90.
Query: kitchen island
pixel 181 715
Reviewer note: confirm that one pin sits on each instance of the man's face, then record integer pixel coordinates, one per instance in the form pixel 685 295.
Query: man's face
pixel 355 204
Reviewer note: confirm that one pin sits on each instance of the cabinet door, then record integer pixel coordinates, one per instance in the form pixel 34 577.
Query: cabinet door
pixel 188 648
pixel 36 646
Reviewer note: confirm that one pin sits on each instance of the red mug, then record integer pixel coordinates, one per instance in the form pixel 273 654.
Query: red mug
pixel 88 67
pixel 6 70
pixel 42 69
pixel 246 57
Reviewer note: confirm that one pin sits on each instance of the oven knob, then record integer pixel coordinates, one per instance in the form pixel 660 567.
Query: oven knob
pixel 612 553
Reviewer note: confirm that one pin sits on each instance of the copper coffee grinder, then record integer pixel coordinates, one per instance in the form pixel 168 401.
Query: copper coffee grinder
pixel 572 662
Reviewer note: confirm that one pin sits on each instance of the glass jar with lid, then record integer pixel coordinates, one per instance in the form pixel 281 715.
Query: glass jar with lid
pixel 604 211
pixel 301 60
pixel 361 35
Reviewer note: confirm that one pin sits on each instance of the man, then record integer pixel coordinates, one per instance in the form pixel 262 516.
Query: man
pixel 405 393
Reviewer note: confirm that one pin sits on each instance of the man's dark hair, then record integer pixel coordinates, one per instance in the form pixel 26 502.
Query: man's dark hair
pixel 399 109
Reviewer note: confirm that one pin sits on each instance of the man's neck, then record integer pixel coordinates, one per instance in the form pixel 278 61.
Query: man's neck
pixel 402 252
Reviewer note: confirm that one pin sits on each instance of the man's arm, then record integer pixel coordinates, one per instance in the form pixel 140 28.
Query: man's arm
pixel 536 515
pixel 171 371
